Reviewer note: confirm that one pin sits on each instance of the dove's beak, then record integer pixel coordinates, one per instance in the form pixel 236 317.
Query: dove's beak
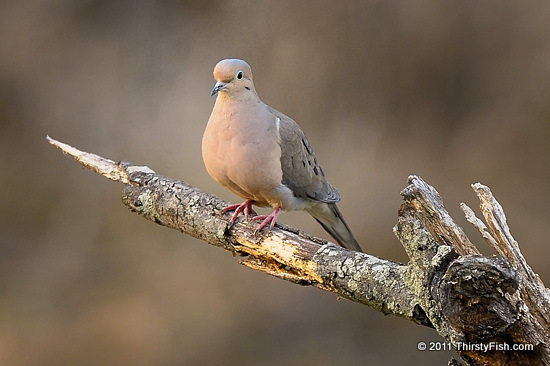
pixel 219 86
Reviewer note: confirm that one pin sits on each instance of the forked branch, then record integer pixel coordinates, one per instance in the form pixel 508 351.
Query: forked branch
pixel 468 298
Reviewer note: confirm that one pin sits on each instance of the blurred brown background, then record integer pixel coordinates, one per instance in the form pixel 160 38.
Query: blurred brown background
pixel 457 92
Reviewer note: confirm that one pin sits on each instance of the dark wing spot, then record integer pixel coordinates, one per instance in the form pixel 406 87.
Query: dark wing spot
pixel 315 170
pixel 306 145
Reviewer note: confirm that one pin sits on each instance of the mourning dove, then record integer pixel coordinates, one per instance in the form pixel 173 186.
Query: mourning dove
pixel 264 157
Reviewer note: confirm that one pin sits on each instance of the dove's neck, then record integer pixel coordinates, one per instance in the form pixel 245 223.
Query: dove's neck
pixel 235 104
pixel 242 112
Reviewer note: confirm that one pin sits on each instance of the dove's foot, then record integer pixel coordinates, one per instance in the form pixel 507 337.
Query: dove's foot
pixel 245 208
pixel 267 219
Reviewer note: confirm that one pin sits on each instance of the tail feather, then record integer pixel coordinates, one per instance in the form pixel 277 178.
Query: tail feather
pixel 330 218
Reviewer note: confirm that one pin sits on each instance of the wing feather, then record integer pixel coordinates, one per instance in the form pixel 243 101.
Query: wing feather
pixel 302 173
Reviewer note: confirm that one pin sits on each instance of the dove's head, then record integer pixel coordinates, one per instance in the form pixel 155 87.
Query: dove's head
pixel 233 76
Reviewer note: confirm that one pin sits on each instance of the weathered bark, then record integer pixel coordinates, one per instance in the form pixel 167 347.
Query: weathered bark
pixel 471 300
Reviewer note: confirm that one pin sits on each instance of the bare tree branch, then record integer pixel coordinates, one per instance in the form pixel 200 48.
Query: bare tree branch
pixel 284 252
pixel 493 310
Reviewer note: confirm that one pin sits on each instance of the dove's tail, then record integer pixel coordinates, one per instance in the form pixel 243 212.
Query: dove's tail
pixel 330 218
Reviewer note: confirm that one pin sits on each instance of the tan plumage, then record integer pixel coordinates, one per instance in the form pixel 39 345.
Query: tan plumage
pixel 264 157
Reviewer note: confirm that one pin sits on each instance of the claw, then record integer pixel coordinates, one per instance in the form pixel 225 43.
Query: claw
pixel 245 208
pixel 267 219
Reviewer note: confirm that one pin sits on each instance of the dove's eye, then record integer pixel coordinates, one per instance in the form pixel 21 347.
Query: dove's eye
pixel 239 75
